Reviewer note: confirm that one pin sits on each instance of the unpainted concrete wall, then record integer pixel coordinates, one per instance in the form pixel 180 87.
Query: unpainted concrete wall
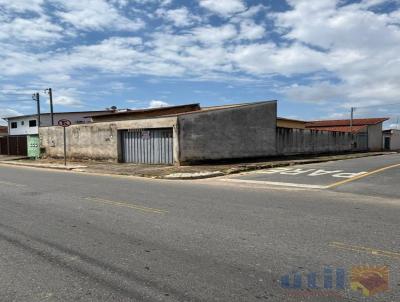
pixel 229 133
pixel 375 137
pixel 307 141
pixel 98 141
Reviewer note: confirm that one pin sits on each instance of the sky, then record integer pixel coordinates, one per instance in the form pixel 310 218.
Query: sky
pixel 318 58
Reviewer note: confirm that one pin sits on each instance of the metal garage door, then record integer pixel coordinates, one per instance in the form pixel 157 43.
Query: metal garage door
pixel 148 146
pixel 14 145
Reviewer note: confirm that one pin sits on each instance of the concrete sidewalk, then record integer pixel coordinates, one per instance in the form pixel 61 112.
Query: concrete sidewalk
pixel 11 157
pixel 181 172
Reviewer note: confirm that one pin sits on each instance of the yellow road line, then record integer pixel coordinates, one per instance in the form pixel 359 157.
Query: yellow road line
pixel 361 176
pixel 357 248
pixel 126 205
pixel 11 184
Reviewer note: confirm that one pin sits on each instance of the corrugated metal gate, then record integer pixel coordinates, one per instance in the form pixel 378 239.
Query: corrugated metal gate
pixel 14 145
pixel 148 146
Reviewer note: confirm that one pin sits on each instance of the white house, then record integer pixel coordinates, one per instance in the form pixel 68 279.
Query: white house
pixel 391 139
pixel 28 124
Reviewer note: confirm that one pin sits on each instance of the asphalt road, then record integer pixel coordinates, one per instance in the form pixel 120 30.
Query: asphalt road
pixel 74 237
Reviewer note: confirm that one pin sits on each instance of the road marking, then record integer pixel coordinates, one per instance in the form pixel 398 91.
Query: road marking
pixel 273 183
pixel 11 184
pixel 361 176
pixel 368 250
pixel 126 205
pixel 309 172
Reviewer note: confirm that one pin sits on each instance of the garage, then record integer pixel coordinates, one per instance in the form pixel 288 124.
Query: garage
pixel 147 146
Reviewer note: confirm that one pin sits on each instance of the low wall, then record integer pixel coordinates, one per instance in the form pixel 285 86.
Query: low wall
pixel 97 141
pixel 306 141
pixel 375 137
pixel 228 133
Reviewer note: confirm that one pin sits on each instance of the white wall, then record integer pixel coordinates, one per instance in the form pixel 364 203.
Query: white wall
pixel 22 129
pixel 394 139
pixel 75 118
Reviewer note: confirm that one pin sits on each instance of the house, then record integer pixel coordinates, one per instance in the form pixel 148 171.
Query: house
pixel 192 134
pixel 28 124
pixel 391 139
pixel 370 128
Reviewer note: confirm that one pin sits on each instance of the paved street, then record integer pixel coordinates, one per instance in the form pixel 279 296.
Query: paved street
pixel 68 236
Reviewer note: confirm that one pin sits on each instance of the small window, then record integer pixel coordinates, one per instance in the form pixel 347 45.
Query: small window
pixel 14 125
pixel 22 123
pixel 32 123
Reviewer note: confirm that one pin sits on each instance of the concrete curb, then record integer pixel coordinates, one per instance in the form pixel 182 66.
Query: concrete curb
pixel 269 165
pixel 45 166
pixel 207 174
pixel 197 175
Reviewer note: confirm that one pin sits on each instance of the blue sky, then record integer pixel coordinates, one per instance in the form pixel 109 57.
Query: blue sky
pixel 317 57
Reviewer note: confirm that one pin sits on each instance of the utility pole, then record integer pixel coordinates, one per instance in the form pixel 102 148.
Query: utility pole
pixel 50 92
pixel 36 98
pixel 351 119
pixel 353 143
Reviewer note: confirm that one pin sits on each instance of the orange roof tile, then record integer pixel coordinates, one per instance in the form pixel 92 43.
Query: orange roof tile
pixel 356 122
pixel 354 129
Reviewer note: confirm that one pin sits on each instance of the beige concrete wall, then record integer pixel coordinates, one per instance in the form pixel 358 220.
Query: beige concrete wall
pixel 284 123
pixel 98 141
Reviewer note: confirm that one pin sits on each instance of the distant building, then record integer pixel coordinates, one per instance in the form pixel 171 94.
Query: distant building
pixel 371 128
pixel 290 123
pixel 142 113
pixel 28 124
pixel 391 139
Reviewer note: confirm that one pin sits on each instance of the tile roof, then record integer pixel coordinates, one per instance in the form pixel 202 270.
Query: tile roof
pixel 356 122
pixel 355 129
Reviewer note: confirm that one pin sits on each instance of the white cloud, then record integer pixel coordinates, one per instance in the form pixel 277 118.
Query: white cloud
pixel 180 17
pixel 360 49
pixel 214 34
pixel 7 112
pixel 40 30
pixel 249 30
pixel 321 92
pixel 158 104
pixel 68 101
pixel 95 15
pixel 223 7
pixel 353 50
pixel 268 58
pixel 22 6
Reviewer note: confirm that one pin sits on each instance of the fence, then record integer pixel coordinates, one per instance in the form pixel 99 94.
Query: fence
pixel 306 141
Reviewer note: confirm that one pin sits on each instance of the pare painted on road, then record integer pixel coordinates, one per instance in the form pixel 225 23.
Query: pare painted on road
pixel 312 172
